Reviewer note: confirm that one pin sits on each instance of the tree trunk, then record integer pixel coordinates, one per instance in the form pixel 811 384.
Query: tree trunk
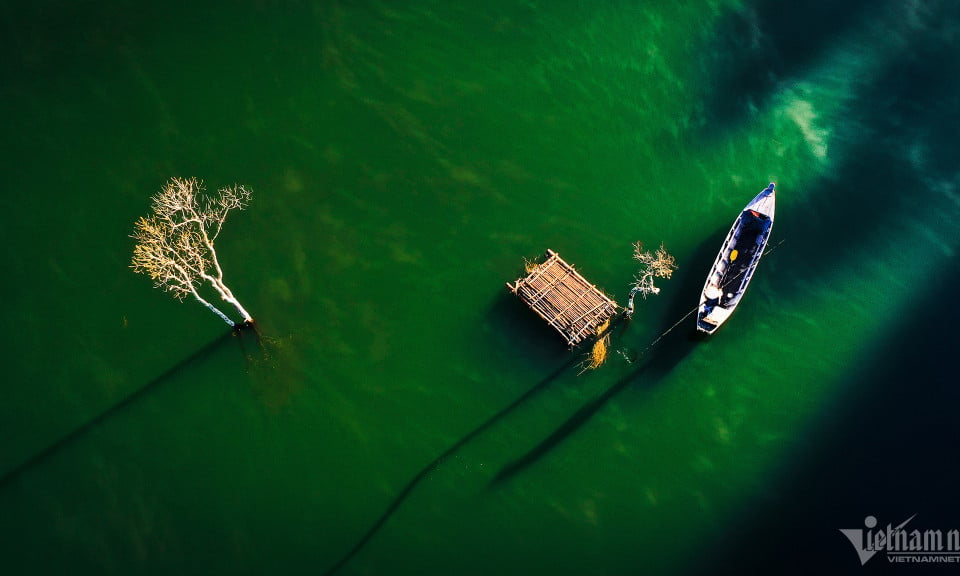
pixel 228 296
pixel 214 309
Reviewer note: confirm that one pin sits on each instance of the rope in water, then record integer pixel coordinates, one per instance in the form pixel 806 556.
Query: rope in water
pixel 695 308
pixel 489 422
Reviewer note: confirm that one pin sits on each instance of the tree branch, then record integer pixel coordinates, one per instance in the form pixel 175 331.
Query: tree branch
pixel 660 264
pixel 175 245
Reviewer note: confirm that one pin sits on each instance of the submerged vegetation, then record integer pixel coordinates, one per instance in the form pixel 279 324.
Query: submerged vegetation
pixel 530 266
pixel 598 354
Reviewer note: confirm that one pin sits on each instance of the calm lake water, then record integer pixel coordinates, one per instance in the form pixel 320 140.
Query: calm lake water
pixel 405 158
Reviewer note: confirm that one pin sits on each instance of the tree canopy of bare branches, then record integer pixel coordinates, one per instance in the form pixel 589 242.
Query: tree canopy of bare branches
pixel 175 244
pixel 659 264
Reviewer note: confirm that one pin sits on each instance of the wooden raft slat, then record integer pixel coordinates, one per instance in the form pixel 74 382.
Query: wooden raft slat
pixel 564 298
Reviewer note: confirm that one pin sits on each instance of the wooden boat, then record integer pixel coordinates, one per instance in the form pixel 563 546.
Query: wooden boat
pixel 736 262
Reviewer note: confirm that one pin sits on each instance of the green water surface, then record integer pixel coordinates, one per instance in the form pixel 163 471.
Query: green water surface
pixel 405 157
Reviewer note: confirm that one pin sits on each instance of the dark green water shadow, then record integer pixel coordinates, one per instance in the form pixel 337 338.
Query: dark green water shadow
pixel 885 446
pixel 909 104
pixel 879 187
pixel 756 48
pixel 126 402
pixel 521 332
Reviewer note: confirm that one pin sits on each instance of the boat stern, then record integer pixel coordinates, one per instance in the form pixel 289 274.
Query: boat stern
pixel 709 318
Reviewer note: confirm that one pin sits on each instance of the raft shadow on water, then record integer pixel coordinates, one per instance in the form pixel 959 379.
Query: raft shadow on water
pixel 433 464
pixel 656 367
pixel 660 360
pixel 204 352
pixel 529 335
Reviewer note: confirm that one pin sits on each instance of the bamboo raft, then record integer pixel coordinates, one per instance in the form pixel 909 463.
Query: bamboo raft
pixel 565 299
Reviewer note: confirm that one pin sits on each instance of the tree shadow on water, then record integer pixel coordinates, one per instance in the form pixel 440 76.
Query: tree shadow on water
pixel 206 351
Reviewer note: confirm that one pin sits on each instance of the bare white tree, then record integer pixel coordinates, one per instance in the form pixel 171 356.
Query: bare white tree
pixel 659 264
pixel 175 244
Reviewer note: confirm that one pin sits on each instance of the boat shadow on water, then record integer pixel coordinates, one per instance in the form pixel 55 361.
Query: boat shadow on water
pixel 654 364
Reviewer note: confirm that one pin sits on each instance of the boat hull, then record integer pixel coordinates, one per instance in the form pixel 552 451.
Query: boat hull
pixel 736 262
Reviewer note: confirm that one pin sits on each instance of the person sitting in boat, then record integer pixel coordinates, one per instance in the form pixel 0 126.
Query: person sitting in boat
pixel 713 294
